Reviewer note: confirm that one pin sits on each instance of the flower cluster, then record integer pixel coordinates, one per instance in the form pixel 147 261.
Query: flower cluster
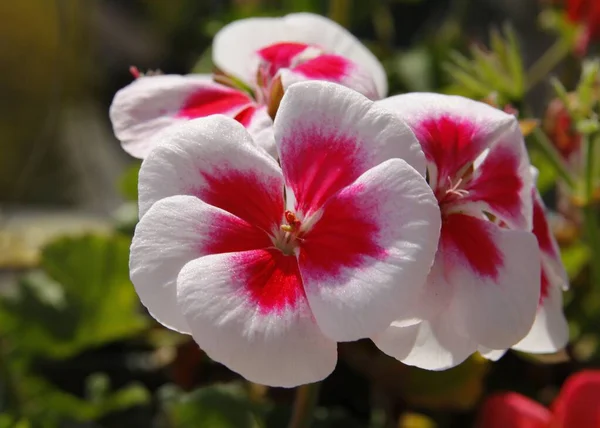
pixel 285 207
pixel 577 405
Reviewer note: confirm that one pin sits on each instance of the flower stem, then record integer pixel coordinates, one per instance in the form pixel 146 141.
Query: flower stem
pixel 590 214
pixel 544 145
pixel 547 62
pixel 590 173
pixel 304 405
pixel 593 238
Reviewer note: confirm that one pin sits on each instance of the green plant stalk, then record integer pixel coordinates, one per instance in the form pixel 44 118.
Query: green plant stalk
pixel 304 405
pixel 547 62
pixel 339 11
pixel 589 212
pixel 590 172
pixel 544 145
pixel 11 386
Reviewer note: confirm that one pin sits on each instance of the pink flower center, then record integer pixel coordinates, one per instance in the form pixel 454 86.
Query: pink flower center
pixel 452 189
pixel 289 236
pixel 276 57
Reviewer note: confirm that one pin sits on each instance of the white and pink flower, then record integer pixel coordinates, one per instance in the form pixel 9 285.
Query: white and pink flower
pixel 550 331
pixel 268 266
pixel 484 287
pixel 266 55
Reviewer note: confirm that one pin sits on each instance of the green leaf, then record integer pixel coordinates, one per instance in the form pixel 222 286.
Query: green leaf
pixel 215 406
pixel 83 298
pixel 575 258
pixel 457 388
pixel 128 183
pixel 415 68
pixel 514 62
pixel 48 403
pixel 547 175
pixel 204 64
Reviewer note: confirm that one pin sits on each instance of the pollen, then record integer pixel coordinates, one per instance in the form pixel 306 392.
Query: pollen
pixel 292 220
pixel 291 236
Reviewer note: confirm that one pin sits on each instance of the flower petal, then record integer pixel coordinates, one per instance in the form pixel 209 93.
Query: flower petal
pixel 491 354
pixel 578 403
pixel 495 292
pixel 368 254
pixel 236 45
pixel 502 183
pixel 153 103
pixel 550 331
pixel 513 410
pixel 332 68
pixel 431 345
pixel 452 130
pixel 259 124
pixel 215 160
pixel 552 265
pixel 174 231
pixel 457 132
pixel 328 135
pixel 248 311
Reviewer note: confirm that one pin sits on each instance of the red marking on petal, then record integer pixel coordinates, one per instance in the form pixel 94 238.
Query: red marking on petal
pixel 319 165
pixel 578 403
pixel 450 143
pixel 245 195
pixel 513 410
pixel 541 230
pixel 232 234
pixel 246 115
pixel 545 285
pixel 467 240
pixel 280 55
pixel 325 67
pixel 497 182
pixel 345 236
pixel 272 279
pixel 213 100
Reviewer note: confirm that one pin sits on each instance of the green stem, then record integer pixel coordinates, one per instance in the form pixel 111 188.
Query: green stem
pixel 590 173
pixel 593 238
pixel 545 146
pixel 304 405
pixel 11 386
pixel 592 227
pixel 547 62
pixel 339 11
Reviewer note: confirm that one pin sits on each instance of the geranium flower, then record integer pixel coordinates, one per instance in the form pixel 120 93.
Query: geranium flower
pixel 550 331
pixel 577 405
pixel 586 13
pixel 257 60
pixel 268 266
pixel 484 286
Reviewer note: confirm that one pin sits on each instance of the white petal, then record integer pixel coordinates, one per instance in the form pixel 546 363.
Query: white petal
pixel 216 160
pixel 491 354
pixel 364 261
pixel 456 132
pixel 173 232
pixel 495 307
pixel 328 135
pixel 260 126
pixel 248 311
pixel 431 345
pixel 235 46
pixel 550 331
pixel 332 68
pixel 151 104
